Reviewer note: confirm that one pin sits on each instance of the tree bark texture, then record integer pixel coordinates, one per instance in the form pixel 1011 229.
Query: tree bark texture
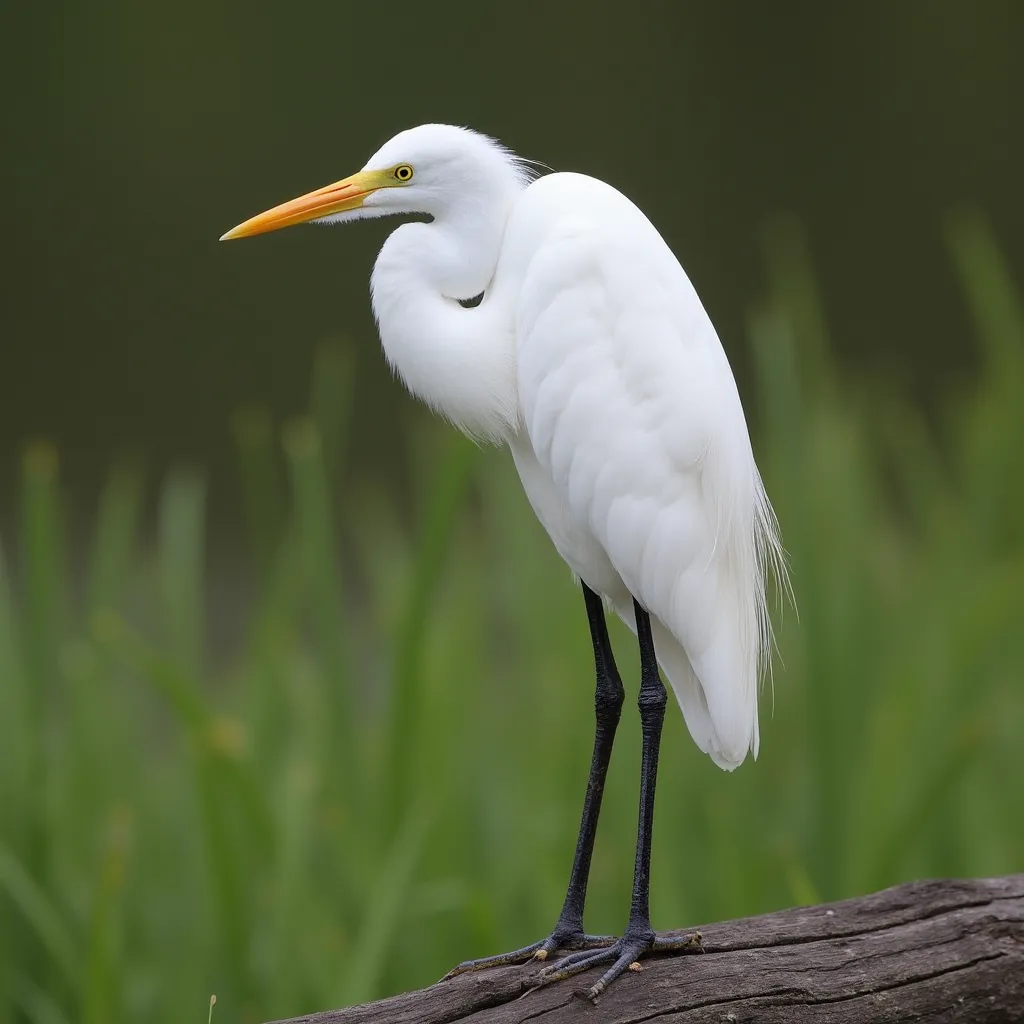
pixel 926 951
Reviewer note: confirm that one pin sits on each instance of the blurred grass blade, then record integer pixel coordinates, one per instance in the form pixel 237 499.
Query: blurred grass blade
pixel 43 618
pixel 384 909
pixel 181 535
pixel 9 626
pixel 994 300
pixel 930 796
pixel 40 915
pixel 790 268
pixel 100 983
pixel 43 569
pixel 331 400
pixel 114 544
pixel 990 449
pixel 443 504
pixel 182 697
pixel 209 733
pixel 775 360
pixel 39 1007
pixel 15 735
pixel 224 783
pixel 262 486
pixel 300 784
pixel 227 869
pixel 314 537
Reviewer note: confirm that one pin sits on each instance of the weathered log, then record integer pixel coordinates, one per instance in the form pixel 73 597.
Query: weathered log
pixel 934 951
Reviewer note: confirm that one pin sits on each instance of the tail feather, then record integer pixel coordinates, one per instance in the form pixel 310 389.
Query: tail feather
pixel 689 693
pixel 717 682
pixel 727 752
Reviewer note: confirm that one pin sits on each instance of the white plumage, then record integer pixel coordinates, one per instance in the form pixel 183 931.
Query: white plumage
pixel 591 357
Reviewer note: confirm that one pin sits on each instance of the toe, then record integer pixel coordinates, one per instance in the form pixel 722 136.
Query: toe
pixel 517 956
pixel 575 963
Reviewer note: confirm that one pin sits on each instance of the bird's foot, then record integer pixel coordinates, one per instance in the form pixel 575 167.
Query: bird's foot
pixel 560 938
pixel 624 954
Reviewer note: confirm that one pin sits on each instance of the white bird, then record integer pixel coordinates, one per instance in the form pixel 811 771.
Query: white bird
pixel 591 357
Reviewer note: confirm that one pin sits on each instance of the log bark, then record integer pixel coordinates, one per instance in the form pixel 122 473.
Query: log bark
pixel 927 951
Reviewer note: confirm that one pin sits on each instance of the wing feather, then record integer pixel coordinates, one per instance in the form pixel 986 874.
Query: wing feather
pixel 632 410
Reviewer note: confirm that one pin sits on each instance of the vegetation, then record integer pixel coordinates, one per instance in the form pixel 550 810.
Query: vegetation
pixel 384 775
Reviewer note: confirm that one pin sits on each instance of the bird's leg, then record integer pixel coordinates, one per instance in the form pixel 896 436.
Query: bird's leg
pixel 639 937
pixel 608 698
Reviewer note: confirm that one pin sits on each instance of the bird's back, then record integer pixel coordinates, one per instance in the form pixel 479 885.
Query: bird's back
pixel 634 449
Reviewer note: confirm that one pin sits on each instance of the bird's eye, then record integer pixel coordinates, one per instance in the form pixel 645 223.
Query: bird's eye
pixel 403 172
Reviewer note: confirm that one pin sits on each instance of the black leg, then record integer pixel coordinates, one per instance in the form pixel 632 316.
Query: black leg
pixel 608 699
pixel 639 937
pixel 652 703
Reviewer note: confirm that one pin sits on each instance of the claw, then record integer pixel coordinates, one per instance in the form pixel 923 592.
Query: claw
pixel 529 991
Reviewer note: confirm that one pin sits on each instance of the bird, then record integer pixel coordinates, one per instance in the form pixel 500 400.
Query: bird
pixel 545 313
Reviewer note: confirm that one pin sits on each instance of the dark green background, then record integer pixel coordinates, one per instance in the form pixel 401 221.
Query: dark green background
pixel 137 133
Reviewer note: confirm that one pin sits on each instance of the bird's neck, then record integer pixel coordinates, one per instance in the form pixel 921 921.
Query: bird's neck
pixel 460 361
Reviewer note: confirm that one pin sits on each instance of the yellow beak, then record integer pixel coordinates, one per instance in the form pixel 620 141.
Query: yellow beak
pixel 347 194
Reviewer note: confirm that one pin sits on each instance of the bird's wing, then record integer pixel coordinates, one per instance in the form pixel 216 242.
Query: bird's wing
pixel 631 407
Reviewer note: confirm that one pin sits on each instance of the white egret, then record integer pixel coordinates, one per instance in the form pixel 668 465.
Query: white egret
pixel 591 357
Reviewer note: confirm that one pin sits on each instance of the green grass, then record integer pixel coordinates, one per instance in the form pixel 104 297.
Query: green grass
pixel 384 775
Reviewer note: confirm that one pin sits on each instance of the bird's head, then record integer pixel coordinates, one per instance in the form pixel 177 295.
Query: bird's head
pixel 432 169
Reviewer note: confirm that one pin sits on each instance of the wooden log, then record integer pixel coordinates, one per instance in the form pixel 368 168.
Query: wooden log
pixel 936 951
